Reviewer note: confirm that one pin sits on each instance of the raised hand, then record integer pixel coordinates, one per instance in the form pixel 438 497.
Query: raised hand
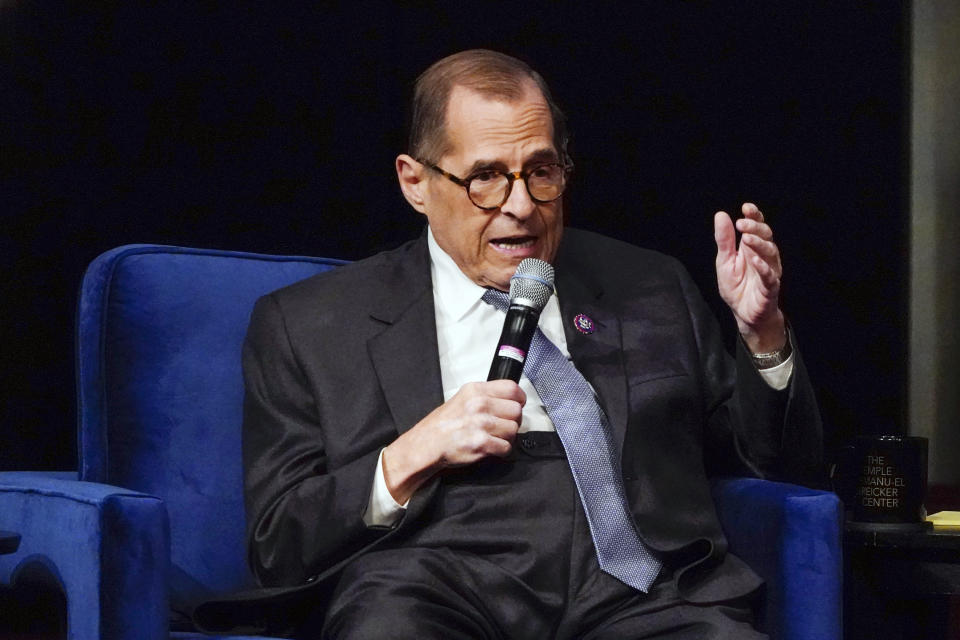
pixel 749 276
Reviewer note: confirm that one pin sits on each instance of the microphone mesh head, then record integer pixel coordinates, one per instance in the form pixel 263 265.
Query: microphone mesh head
pixel 532 283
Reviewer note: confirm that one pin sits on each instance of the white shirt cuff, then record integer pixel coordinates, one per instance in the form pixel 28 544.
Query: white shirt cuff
pixel 383 510
pixel 778 377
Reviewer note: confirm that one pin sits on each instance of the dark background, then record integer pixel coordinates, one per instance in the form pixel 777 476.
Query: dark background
pixel 273 128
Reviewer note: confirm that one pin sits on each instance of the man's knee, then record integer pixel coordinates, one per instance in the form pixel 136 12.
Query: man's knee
pixel 417 594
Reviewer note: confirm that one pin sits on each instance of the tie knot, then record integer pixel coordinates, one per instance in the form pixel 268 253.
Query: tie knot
pixel 497 298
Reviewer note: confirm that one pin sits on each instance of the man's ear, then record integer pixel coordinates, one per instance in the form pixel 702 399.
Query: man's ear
pixel 413 181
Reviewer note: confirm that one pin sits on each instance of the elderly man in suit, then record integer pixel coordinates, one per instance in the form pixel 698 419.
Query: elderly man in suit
pixel 421 501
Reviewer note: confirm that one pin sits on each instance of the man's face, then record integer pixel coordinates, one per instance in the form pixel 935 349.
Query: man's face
pixel 488 245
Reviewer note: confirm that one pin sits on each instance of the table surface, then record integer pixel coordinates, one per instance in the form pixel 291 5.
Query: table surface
pixel 900 585
pixel 944 540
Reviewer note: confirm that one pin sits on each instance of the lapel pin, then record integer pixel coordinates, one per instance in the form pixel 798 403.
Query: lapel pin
pixel 583 324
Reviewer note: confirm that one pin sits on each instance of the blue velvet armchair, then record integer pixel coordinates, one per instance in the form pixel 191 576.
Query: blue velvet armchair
pixel 153 521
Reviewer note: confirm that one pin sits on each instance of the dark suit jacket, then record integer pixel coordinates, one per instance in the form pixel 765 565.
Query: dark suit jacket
pixel 338 365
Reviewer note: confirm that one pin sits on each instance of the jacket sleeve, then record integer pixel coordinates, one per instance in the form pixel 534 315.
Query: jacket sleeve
pixel 752 427
pixel 302 514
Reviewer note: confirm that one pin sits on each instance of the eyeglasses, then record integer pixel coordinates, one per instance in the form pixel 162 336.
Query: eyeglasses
pixel 489 188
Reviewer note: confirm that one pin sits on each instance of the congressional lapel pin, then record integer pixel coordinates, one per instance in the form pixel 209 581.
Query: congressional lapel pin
pixel 584 324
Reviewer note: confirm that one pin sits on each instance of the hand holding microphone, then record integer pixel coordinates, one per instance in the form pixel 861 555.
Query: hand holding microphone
pixel 482 418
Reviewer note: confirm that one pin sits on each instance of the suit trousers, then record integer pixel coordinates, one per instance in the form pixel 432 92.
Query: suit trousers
pixel 505 552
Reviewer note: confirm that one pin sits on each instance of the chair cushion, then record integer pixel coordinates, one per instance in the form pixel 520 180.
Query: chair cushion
pixel 159 338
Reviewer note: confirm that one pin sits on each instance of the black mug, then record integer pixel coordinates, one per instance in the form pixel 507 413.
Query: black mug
pixel 886 479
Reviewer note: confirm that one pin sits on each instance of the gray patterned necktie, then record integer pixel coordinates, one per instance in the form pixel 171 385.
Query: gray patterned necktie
pixel 587 440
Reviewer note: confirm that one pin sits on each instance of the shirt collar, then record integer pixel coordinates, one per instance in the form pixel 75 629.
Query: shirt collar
pixel 458 293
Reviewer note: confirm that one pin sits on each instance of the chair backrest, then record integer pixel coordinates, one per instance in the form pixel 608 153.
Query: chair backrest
pixel 160 390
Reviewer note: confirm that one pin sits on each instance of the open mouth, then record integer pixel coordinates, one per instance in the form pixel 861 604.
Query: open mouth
pixel 514 244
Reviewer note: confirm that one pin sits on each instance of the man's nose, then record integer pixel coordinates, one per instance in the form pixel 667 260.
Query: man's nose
pixel 518 204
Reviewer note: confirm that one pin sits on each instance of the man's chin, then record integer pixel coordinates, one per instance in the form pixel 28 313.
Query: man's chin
pixel 503 285
pixel 499 279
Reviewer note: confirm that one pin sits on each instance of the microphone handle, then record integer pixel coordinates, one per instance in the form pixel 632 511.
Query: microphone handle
pixel 514 343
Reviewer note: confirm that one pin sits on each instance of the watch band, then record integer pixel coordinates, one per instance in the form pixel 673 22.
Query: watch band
pixel 770 359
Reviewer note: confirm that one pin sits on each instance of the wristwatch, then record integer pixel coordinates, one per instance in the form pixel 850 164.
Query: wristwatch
pixel 771 359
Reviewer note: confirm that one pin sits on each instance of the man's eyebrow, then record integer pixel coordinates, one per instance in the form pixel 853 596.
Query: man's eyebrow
pixel 486 165
pixel 540 155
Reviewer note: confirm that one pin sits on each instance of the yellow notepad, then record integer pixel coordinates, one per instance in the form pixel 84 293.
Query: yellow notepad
pixel 944 519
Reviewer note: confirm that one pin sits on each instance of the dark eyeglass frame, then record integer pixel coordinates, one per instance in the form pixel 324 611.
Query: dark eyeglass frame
pixel 511 177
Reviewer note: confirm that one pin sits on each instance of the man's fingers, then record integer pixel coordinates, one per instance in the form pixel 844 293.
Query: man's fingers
pixel 506 409
pixel 494 437
pixel 503 428
pixel 499 447
pixel 769 270
pixel 482 420
pixel 751 211
pixel 506 389
pixel 755 227
pixel 724 235
pixel 769 280
pixel 764 248
pixel 483 405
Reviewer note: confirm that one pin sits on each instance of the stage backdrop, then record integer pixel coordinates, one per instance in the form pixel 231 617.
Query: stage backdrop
pixel 274 128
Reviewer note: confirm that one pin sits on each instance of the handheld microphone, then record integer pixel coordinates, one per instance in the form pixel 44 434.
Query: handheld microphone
pixel 530 288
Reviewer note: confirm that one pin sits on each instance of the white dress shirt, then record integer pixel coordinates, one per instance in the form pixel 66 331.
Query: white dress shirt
pixel 467 333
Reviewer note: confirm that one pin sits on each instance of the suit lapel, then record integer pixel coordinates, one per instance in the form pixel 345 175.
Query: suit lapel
pixel 405 354
pixel 598 355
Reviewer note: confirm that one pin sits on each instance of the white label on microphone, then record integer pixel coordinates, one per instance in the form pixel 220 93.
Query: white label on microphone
pixel 507 351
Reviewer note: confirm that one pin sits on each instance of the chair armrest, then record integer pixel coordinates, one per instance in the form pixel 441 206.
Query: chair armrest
pixel 792 537
pixel 107 547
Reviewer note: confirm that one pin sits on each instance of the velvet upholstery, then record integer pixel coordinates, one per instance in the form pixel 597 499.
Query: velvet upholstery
pixel 107 548
pixel 792 537
pixel 159 334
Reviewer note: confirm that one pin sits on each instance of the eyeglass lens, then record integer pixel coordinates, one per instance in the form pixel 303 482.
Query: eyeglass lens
pixel 492 188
